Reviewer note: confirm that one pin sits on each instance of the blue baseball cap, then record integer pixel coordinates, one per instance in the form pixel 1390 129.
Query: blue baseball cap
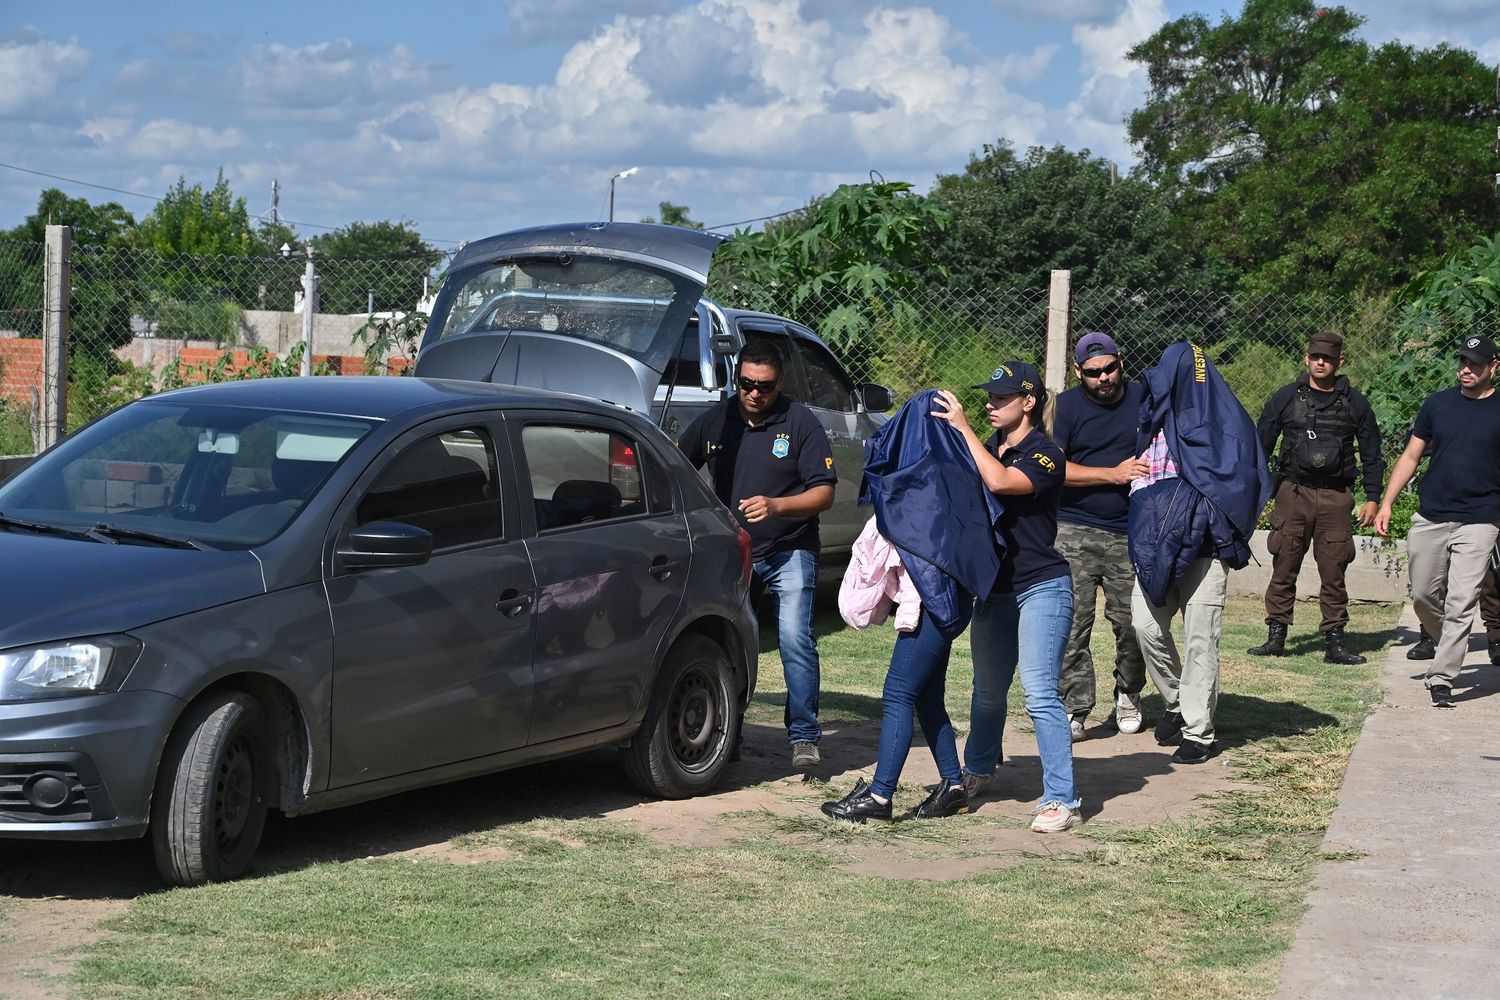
pixel 1012 377
pixel 1091 345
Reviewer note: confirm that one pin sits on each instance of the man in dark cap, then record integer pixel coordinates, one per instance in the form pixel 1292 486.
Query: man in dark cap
pixel 1454 529
pixel 1095 425
pixel 1319 418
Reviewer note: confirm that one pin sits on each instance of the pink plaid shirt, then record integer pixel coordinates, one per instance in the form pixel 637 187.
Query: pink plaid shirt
pixel 1160 462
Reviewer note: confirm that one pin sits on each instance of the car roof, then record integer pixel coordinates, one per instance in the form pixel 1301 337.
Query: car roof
pixel 380 397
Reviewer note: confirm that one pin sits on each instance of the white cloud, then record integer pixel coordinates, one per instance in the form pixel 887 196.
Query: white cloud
pixel 165 137
pixel 105 129
pixel 1064 11
pixel 33 69
pixel 326 75
pixel 565 20
pixel 1113 85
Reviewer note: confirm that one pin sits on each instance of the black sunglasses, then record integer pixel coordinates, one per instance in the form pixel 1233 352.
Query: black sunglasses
pixel 752 385
pixel 1108 369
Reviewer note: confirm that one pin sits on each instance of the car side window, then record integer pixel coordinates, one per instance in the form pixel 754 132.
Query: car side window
pixel 792 382
pixel 826 385
pixel 582 475
pixel 446 483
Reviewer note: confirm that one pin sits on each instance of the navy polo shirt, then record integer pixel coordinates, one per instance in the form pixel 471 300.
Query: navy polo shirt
pixel 1029 524
pixel 1462 481
pixel 1097 435
pixel 787 453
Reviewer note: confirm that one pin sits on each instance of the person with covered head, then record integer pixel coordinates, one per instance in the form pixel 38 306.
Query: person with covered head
pixel 1319 418
pixel 1454 529
pixel 1191 516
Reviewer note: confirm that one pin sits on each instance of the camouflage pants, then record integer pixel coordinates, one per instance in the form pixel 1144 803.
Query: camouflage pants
pixel 1098 558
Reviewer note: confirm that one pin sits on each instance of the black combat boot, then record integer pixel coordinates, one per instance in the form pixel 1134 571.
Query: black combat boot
pixel 1424 649
pixel 1275 644
pixel 1334 651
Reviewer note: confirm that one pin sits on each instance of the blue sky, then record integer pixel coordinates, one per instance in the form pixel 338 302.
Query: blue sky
pixel 469 118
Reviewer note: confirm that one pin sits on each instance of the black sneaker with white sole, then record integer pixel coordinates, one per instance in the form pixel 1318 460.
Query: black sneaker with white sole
pixel 943 800
pixel 1442 696
pixel 1169 729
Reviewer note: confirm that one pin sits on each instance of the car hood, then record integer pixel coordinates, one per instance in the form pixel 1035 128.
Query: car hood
pixel 59 588
pixel 588 355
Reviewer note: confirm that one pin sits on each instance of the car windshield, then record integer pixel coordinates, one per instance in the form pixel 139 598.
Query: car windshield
pixel 173 473
pixel 612 302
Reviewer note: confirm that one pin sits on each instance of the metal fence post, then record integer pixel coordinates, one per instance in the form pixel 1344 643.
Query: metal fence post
pixel 1059 315
pixel 57 296
pixel 309 305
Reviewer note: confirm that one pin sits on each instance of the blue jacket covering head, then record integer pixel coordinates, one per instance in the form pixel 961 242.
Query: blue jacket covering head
pixel 1219 461
pixel 932 505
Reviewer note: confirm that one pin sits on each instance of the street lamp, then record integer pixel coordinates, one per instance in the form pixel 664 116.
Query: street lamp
pixel 623 173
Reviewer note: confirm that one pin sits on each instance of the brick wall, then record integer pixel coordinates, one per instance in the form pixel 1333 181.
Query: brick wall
pixel 20 368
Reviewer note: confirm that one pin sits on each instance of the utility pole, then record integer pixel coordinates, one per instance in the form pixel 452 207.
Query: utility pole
pixel 275 202
pixel 309 303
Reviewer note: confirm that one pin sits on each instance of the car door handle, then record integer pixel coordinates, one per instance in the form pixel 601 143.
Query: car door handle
pixel 662 567
pixel 512 603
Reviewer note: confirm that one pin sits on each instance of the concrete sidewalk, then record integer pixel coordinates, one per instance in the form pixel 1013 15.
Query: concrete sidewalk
pixel 1417 914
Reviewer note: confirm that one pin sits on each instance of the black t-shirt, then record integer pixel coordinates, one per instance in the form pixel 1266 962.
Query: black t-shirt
pixel 1029 524
pixel 1462 481
pixel 785 454
pixel 1096 435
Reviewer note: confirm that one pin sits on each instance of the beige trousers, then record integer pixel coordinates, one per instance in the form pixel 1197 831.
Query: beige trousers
pixel 1447 561
pixel 1188 685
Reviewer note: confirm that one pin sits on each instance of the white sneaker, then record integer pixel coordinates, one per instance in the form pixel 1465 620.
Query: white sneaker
pixel 1076 725
pixel 1128 712
pixel 1054 817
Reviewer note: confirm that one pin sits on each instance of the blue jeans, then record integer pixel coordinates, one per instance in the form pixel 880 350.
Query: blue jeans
pixel 792 579
pixel 1029 627
pixel 915 682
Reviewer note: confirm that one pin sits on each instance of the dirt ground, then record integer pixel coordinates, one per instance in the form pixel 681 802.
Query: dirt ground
pixel 53 897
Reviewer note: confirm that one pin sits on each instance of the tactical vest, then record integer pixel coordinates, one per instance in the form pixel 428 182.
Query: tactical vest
pixel 1317 439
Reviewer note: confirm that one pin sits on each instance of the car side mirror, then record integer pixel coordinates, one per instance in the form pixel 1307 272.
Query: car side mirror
pixel 876 398
pixel 384 544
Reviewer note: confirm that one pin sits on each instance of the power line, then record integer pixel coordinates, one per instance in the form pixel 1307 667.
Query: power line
pixel 746 222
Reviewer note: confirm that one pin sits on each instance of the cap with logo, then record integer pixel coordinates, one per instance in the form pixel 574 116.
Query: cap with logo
pixel 1330 345
pixel 1480 350
pixel 1013 377
pixel 1091 345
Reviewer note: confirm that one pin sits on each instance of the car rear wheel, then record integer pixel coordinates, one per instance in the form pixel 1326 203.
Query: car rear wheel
pixel 210 806
pixel 685 741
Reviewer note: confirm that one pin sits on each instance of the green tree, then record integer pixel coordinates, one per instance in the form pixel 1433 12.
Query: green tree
pixel 674 215
pixel 386 259
pixel 191 220
pixel 1304 160
pixel 108 224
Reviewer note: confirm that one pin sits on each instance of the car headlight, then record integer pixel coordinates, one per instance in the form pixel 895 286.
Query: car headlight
pixel 56 670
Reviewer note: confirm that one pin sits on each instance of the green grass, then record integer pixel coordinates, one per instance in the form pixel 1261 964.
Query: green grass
pixel 592 908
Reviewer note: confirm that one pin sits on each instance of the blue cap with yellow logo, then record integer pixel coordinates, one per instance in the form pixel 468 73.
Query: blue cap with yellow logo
pixel 1012 377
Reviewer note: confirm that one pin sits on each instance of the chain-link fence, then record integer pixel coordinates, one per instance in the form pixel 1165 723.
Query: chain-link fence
pixel 142 320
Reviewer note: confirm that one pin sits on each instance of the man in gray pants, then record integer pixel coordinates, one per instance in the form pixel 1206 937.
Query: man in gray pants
pixel 1454 529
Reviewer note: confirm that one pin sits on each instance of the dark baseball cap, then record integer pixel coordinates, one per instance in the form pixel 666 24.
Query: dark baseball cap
pixel 1012 377
pixel 1091 345
pixel 1328 344
pixel 1480 350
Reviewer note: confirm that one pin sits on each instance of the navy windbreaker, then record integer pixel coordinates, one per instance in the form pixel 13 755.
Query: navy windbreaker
pixel 1223 484
pixel 932 505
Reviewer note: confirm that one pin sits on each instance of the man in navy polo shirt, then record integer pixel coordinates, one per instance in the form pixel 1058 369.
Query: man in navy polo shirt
pixel 1095 425
pixel 1454 529
pixel 771 465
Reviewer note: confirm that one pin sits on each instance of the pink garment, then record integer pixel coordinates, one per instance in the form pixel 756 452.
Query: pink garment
pixel 1158 461
pixel 875 578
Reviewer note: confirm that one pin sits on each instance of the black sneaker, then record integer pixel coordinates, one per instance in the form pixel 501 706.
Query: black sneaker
pixel 1494 645
pixel 858 806
pixel 1192 752
pixel 1423 650
pixel 1442 696
pixel 944 800
pixel 1169 729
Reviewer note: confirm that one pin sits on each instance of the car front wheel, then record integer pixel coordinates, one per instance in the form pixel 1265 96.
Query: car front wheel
pixel 210 807
pixel 685 741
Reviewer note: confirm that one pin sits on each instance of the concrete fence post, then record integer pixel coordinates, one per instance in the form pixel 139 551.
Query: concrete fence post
pixel 1059 318
pixel 57 297
pixel 309 307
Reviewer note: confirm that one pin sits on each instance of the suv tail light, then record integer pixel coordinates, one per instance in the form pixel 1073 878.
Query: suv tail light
pixel 745 556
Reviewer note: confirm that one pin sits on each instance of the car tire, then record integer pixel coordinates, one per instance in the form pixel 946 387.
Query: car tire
pixel 209 808
pixel 690 730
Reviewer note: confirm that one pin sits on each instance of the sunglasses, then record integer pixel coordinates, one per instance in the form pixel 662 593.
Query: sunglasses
pixel 753 385
pixel 1101 371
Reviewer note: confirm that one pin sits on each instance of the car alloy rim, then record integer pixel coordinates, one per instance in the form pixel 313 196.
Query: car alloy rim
pixel 698 718
pixel 234 794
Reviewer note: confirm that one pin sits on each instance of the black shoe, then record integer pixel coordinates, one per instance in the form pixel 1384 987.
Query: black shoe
pixel 1442 696
pixel 1494 645
pixel 1169 729
pixel 1275 644
pixel 858 806
pixel 1193 752
pixel 1335 652
pixel 1423 650
pixel 944 800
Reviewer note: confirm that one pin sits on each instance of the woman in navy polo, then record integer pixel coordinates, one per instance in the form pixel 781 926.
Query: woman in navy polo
pixel 1027 617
